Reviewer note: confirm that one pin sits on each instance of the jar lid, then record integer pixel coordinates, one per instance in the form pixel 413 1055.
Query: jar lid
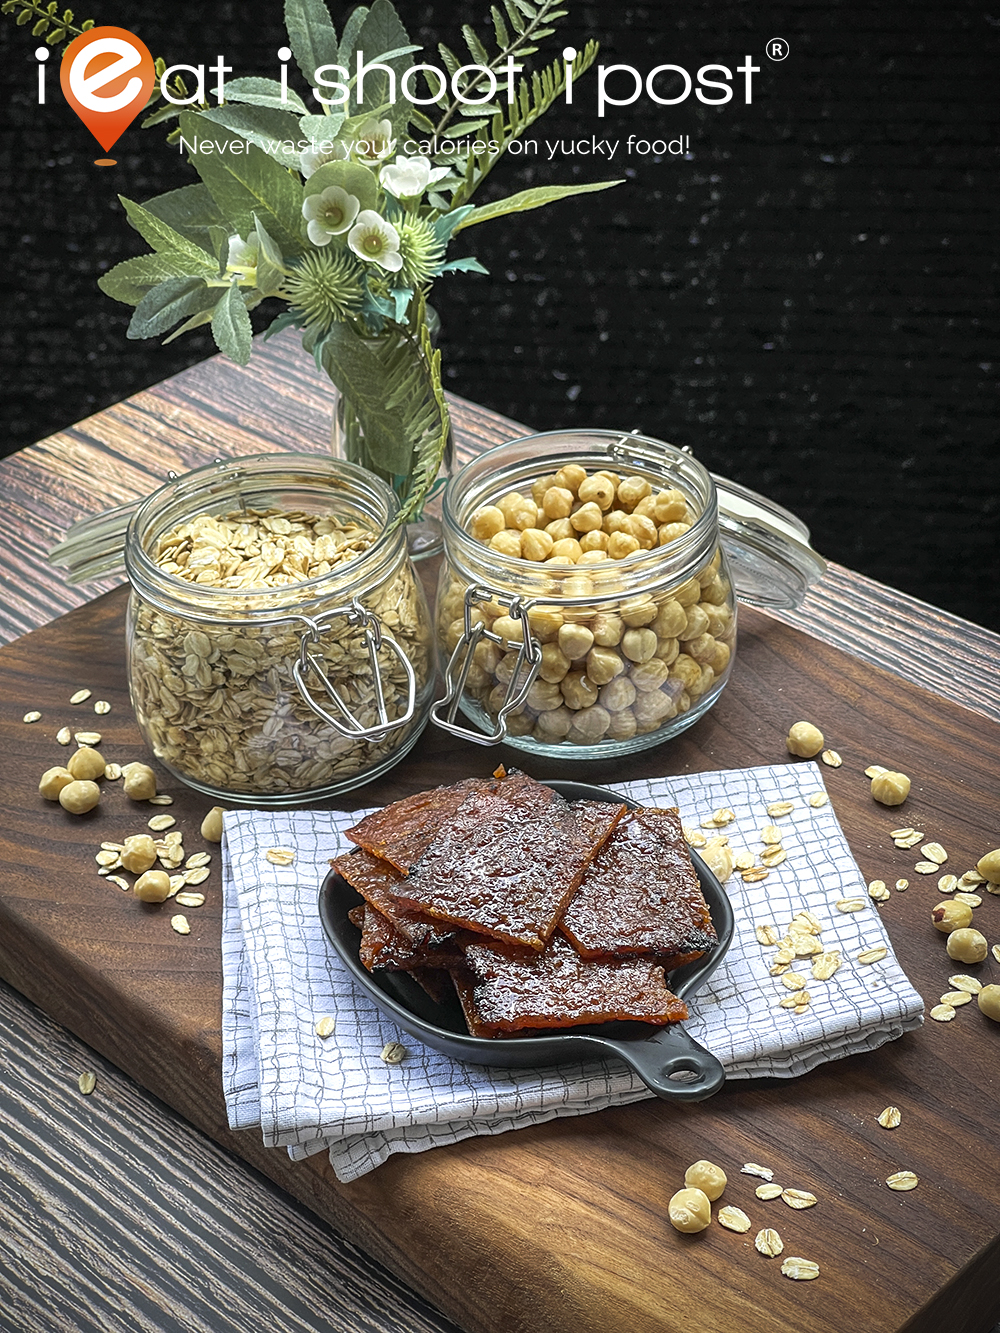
pixel 770 558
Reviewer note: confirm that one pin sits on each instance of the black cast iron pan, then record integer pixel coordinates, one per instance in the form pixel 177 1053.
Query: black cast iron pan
pixel 668 1061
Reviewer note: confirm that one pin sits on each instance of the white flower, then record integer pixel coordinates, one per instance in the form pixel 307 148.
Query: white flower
pixel 375 240
pixel 242 255
pixel 374 141
pixel 410 176
pixel 311 159
pixel 329 214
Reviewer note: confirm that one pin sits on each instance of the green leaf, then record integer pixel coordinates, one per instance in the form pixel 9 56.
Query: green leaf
pixel 231 327
pixel 446 227
pixel 286 320
pixel 500 28
pixel 528 199
pixel 271 270
pixel 130 280
pixel 468 265
pixel 451 61
pixel 245 182
pixel 157 117
pixel 169 301
pixel 515 16
pixel 270 130
pixel 350 176
pixel 312 36
pixel 192 211
pixel 164 239
pixel 193 323
pixel 479 53
pixel 322 128
pixel 382 31
pixel 349 37
pixel 421 121
pixel 264 92
pixel 40 27
pixel 465 127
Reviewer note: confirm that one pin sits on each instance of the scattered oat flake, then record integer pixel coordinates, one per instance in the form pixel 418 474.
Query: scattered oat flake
pixel 875 770
pixel 121 881
pixel 785 955
pixel 190 900
pixel 926 867
pixel 807 946
pixel 956 998
pixel 197 876
pixel 733 1219
pixel 177 883
pixel 873 955
pixel 180 924
pixel 64 735
pixel 160 822
pixel 752 1169
pixel 108 859
pixel 102 707
pixel 768 1243
pixel 904 832
pixel 88 737
pixel 767 935
pixel 112 772
pixel 970 899
pixel 906 843
pixel 808 921
pixel 799 1198
pixel 890 1117
pixel 778 808
pixel 878 892
pixel 768 1191
pixel 197 859
pixel 719 818
pixel 797 1000
pixel 160 799
pixel 972 877
pixel 831 758
pixel 775 970
pixel 935 852
pixel 87 1082
pixel 793 981
pixel 393 1053
pixel 81 696
pixel 770 835
pixel 800 1270
pixel 996 952
pixel 773 856
pixel 947 883
pixel 825 965
pixel 817 800
pixel 849 904
pixel 33 716
pixel 971 985
pixel 325 1026
pixel 694 837
pixel 754 876
pixel 280 856
pixel 943 1013
pixel 902 1180
pixel 743 861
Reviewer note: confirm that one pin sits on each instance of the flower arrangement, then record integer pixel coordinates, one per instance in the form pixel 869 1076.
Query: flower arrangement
pixel 352 229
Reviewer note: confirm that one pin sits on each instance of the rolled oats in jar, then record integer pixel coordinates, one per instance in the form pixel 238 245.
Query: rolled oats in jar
pixel 585 606
pixel 279 643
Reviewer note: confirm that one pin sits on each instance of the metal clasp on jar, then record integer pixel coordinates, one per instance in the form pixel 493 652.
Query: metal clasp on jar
pixel 529 659
pixel 347 724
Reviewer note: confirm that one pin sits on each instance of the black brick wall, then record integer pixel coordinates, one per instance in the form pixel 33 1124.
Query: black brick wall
pixel 808 300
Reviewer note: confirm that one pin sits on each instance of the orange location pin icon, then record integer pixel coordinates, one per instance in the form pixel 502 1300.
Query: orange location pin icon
pixel 107 75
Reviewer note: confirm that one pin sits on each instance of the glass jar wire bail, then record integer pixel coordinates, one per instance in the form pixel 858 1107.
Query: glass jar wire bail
pixel 526 666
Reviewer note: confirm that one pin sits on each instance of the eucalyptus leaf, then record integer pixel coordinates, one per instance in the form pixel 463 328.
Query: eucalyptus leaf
pixel 467 265
pixel 350 176
pixel 286 320
pixel 401 296
pixel 276 132
pixel 265 92
pixel 312 36
pixel 169 301
pixel 528 199
pixel 231 327
pixel 245 182
pixel 349 37
pixel 445 227
pixel 165 240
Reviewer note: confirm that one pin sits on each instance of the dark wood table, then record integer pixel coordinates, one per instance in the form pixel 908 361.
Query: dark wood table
pixel 118 1213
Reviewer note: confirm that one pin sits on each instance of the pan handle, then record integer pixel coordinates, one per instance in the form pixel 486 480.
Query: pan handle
pixel 671 1051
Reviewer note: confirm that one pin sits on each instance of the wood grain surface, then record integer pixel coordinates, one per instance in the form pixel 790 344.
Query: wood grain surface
pixel 563 1227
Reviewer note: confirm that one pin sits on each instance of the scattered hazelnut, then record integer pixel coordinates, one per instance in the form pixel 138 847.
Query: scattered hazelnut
pixel 804 740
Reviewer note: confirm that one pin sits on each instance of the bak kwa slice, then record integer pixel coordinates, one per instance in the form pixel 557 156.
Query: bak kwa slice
pixel 641 895
pixel 377 883
pixel 385 949
pixel 504 990
pixel 401 832
pixel 506 864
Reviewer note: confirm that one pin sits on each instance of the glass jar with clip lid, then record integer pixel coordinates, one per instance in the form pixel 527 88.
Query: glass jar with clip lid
pixel 279 644
pixel 587 603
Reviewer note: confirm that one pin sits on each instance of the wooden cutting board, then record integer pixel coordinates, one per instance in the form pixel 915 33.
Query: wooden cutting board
pixel 563 1227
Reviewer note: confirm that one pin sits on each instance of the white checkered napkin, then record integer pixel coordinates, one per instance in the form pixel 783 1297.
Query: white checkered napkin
pixel 308 1094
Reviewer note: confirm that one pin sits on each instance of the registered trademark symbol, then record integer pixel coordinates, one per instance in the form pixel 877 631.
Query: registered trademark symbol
pixel 777 48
